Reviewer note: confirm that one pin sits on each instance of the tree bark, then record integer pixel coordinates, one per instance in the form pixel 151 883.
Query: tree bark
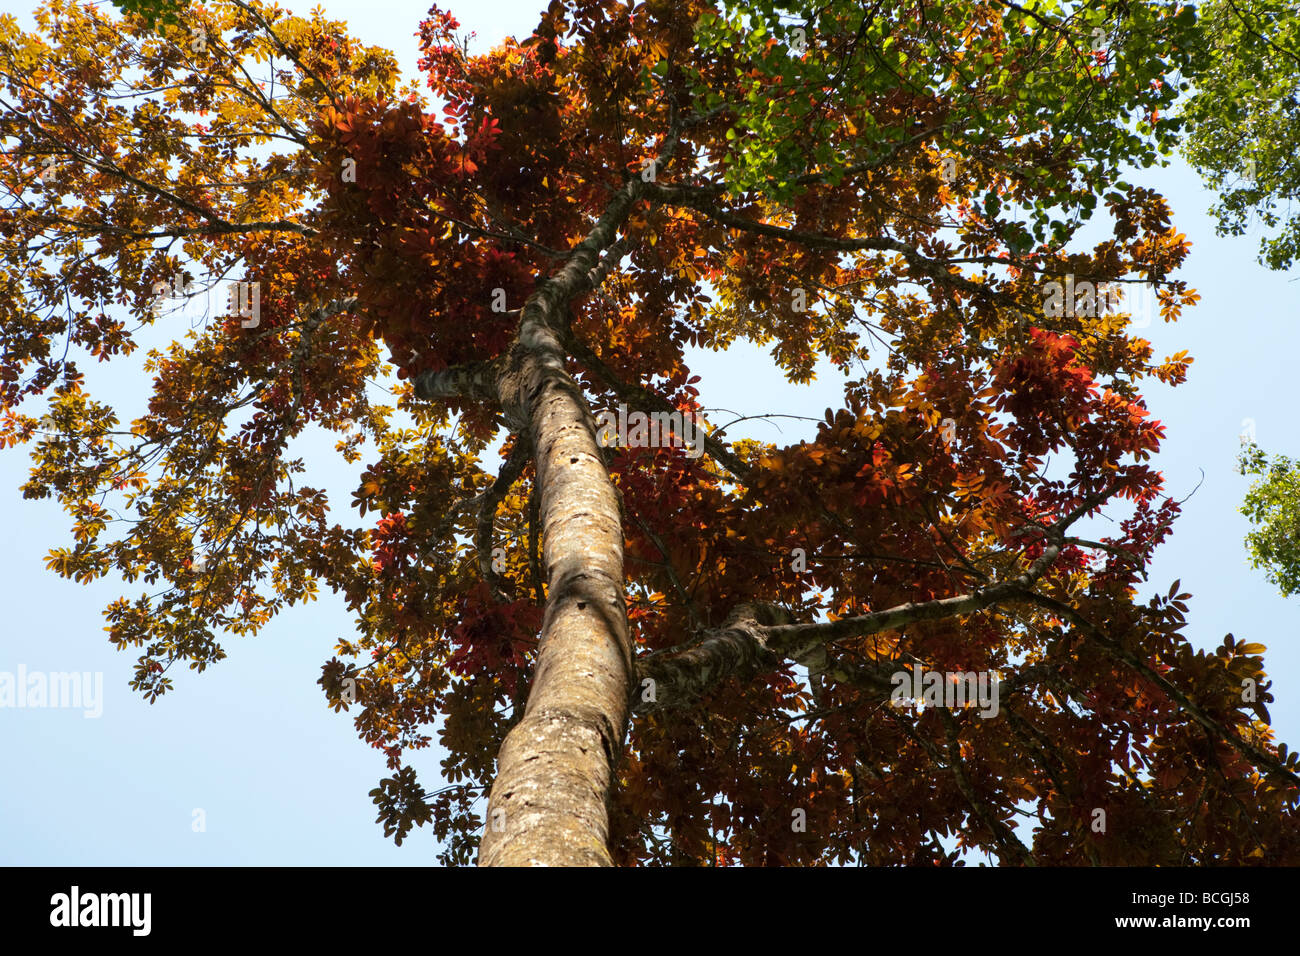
pixel 548 804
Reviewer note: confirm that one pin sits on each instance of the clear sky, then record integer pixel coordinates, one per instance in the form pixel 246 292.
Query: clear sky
pixel 281 779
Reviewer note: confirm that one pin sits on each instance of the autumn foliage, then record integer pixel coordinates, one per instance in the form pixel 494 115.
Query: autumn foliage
pixel 890 198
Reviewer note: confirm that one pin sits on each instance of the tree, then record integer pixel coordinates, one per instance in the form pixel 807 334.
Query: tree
pixel 1273 505
pixel 1243 136
pixel 897 186
pixel 1244 119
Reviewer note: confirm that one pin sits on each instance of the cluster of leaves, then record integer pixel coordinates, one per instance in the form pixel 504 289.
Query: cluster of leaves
pixel 1042 107
pixel 1244 120
pixel 153 12
pixel 1273 506
pixel 962 399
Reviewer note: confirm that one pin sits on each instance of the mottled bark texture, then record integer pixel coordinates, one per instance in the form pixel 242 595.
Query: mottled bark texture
pixel 477 381
pixel 548 802
pixel 680 676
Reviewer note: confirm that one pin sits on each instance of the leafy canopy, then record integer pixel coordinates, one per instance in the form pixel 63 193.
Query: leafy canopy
pixel 894 195
pixel 1244 120
pixel 1273 505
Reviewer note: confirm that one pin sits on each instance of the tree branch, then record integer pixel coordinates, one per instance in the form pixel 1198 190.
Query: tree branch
pixel 476 381
pixel 758 635
pixel 1006 837
pixel 681 675
pixel 686 196
pixel 1112 647
pixel 647 400
pixel 520 452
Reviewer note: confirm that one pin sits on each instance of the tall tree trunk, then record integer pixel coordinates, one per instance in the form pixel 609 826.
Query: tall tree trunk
pixel 548 804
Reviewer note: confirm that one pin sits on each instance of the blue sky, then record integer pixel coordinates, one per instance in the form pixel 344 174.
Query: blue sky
pixel 281 779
